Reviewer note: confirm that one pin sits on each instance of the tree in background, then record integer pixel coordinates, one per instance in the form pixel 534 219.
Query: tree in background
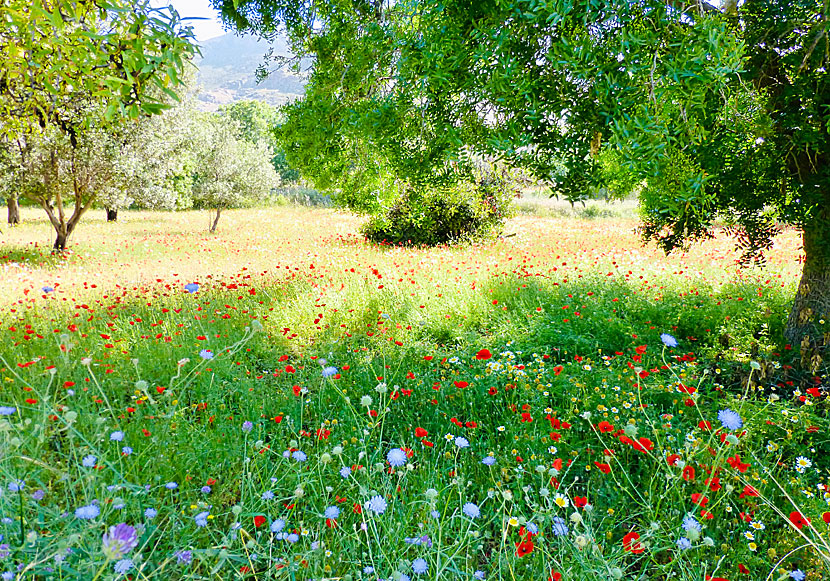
pixel 229 172
pixel 715 112
pixel 71 71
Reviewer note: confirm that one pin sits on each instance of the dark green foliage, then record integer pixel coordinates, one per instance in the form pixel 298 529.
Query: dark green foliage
pixel 435 215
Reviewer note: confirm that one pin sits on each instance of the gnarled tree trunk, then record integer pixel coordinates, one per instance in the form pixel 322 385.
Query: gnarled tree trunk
pixel 14 210
pixel 809 323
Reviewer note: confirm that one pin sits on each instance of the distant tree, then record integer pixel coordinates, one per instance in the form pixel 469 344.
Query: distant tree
pixel 229 172
pixel 715 110
pixel 71 71
pixel 259 124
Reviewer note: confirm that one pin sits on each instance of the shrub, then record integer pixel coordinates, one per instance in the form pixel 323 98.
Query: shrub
pixel 466 211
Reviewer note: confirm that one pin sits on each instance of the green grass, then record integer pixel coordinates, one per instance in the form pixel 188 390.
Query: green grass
pixel 542 351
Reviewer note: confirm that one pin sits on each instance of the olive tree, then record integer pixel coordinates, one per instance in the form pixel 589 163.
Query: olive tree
pixel 72 71
pixel 715 111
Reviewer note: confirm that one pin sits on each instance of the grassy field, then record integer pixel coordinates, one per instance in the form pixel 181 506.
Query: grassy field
pixel 282 400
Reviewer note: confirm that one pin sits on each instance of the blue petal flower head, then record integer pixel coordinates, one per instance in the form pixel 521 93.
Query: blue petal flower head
pixel 560 529
pixel 89 461
pixel 329 371
pixel 191 287
pixel 117 436
pixel 420 566
pixel 668 340
pixel 684 544
pixel 184 557
pixel 332 512
pixel 201 519
pixel 730 419
pixel 206 354
pixel 48 289
pixel 691 523
pixel 345 471
pixel 299 456
pixel 488 460
pixel 376 504
pixel 396 457
pixel 7 410
pixel 123 566
pixel 277 525
pixel 798 575
pixel 150 513
pixel 87 512
pixel 247 426
pixel 471 510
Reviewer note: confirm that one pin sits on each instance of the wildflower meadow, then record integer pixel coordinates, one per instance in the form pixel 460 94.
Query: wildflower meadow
pixel 285 400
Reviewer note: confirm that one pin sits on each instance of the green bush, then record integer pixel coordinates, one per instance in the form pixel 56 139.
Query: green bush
pixel 466 211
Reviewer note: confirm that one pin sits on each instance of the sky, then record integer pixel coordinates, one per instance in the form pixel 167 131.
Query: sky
pixel 204 29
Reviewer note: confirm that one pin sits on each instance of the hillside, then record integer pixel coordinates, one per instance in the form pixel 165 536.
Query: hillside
pixel 227 73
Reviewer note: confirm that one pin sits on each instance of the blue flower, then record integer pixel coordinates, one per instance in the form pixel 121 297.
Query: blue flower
pixel 479 575
pixel 329 371
pixel 332 512
pixel 16 485
pixel 345 471
pixel 201 519
pixel 89 461
pixel 7 411
pixel 471 510
pixel 205 489
pixel 292 538
pixel 87 512
pixel 684 544
pixel 560 529
pixel 37 495
pixel 117 436
pixel 48 289
pixel 171 485
pixel 299 456
pixel 191 287
pixel 462 442
pixel 797 575
pixel 376 504
pixel 488 461
pixel 691 523
pixel 123 566
pixel 206 354
pixel 668 340
pixel 247 426
pixel 420 566
pixel 396 457
pixel 277 525
pixel 183 557
pixel 126 450
pixel 150 513
pixel 730 419
pixel 267 495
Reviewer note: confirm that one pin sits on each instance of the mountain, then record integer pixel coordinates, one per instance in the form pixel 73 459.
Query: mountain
pixel 227 72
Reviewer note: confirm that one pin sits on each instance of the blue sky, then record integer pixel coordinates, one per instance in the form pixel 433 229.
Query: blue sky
pixel 204 29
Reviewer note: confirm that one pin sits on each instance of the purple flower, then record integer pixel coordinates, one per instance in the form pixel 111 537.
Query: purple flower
pixel 4 550
pixel 119 541
pixel 201 519
pixel 329 371
pixel 171 485
pixel 471 510
pixel 419 566
pixel 184 557
pixel 206 354
pixel 48 289
pixel 206 489
pixel 247 426
pixel 668 340
pixel 488 461
pixel 38 495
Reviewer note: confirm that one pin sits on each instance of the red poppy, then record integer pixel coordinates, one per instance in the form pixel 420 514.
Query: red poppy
pixel 631 543
pixel 484 355
pixel 735 462
pixel 798 520
pixel 525 547
pixel 605 427
pixel 421 433
pixel 604 468
pixel 688 473
pixel 259 520
pixel 699 499
pixel 461 384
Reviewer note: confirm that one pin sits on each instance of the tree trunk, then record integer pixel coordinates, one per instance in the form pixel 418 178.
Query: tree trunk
pixel 60 243
pixel 809 323
pixel 14 210
pixel 215 221
pixel 112 215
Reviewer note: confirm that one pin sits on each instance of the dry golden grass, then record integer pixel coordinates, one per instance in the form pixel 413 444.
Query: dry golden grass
pixel 146 248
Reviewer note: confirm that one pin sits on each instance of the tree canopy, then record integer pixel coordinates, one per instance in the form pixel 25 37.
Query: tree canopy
pixel 713 112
